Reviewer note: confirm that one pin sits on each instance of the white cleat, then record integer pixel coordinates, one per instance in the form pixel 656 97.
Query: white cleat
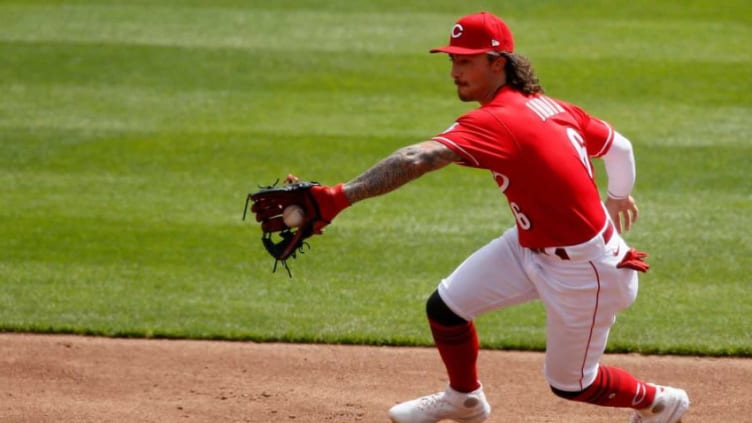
pixel 669 406
pixel 460 407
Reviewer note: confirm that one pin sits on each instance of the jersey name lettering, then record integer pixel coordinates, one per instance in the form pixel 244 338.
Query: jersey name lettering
pixel 544 107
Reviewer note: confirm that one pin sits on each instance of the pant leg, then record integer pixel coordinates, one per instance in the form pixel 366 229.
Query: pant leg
pixel 582 300
pixel 492 277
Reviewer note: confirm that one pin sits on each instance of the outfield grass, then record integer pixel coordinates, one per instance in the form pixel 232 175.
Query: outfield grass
pixel 131 132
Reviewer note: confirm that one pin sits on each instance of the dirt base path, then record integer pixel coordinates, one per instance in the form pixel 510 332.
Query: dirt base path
pixel 83 379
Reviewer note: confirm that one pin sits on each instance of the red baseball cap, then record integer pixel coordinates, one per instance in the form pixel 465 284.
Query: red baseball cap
pixel 478 33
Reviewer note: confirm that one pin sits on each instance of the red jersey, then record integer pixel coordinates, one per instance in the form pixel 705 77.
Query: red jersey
pixel 538 150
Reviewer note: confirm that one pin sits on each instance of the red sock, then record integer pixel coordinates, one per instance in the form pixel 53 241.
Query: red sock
pixel 458 347
pixel 614 387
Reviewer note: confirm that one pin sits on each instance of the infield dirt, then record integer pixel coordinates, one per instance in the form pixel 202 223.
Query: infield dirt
pixel 51 378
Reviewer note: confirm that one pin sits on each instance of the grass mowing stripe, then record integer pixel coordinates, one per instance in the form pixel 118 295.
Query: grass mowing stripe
pixel 323 31
pixel 206 96
pixel 192 27
pixel 639 9
pixel 679 124
pixel 194 302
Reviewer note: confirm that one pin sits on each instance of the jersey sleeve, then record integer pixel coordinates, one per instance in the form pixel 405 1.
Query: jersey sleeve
pixel 598 134
pixel 474 140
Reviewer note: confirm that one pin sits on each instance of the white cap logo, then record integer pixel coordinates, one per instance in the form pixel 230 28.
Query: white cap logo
pixel 495 43
pixel 457 31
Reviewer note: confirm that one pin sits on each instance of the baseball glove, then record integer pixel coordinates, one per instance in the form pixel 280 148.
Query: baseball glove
pixel 319 203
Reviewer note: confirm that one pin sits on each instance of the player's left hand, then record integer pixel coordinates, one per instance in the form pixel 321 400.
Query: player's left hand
pixel 623 212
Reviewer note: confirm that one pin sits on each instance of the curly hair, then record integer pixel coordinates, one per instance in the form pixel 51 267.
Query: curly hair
pixel 520 74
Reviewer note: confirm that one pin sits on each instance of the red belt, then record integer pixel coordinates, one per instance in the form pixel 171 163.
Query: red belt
pixel 562 252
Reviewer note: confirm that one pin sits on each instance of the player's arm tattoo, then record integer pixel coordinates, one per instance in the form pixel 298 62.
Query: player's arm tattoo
pixel 402 166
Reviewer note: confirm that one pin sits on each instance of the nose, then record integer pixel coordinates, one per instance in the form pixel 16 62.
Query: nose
pixel 455 72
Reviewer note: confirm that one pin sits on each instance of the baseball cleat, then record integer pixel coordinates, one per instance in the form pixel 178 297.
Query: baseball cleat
pixel 460 407
pixel 669 406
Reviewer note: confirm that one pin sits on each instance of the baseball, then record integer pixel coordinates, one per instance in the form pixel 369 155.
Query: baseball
pixel 293 215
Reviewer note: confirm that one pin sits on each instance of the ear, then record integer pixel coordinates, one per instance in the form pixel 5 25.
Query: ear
pixel 499 64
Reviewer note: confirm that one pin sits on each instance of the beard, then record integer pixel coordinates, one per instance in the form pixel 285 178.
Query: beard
pixel 464 95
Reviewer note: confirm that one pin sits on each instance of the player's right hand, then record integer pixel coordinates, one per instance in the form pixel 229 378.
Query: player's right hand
pixel 623 212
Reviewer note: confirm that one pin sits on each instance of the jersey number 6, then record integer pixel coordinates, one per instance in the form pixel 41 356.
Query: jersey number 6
pixel 579 145
pixel 522 220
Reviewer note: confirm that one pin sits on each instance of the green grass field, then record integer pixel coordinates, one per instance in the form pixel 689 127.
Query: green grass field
pixel 131 132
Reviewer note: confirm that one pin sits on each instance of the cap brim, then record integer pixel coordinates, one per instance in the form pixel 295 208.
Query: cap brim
pixel 460 50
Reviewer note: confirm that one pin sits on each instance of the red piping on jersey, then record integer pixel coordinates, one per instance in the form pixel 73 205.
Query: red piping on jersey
pixel 445 140
pixel 592 324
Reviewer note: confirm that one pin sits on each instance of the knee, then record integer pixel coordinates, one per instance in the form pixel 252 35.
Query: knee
pixel 439 312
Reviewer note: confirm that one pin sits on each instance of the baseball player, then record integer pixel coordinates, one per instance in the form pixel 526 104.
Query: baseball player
pixel 565 248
